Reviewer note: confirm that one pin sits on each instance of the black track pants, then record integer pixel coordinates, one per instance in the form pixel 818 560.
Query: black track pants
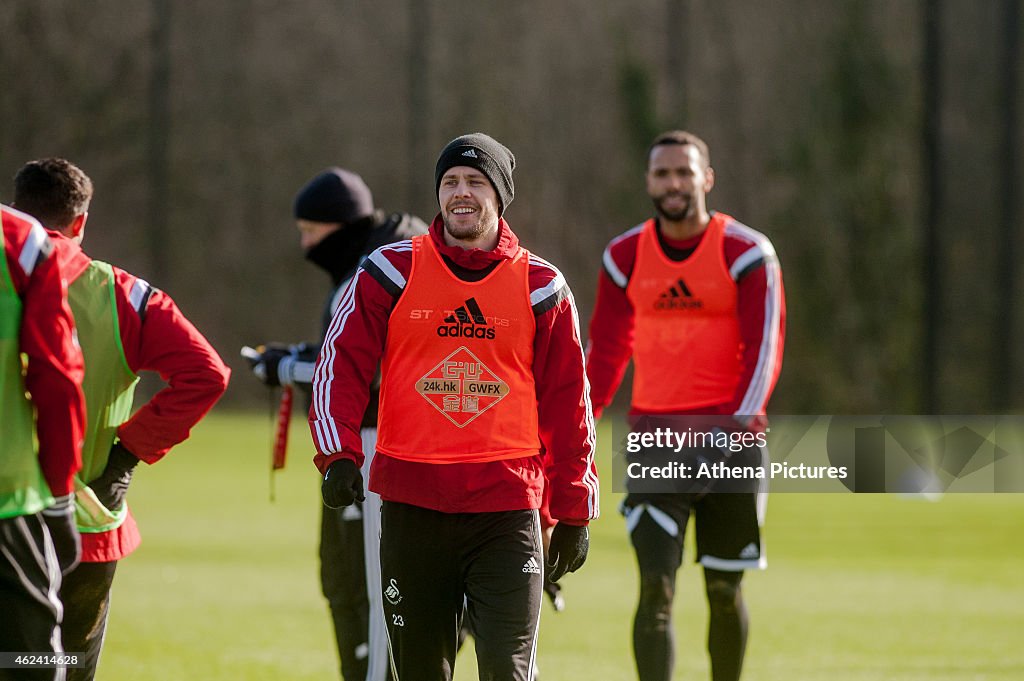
pixel 432 564
pixel 30 610
pixel 85 593
pixel 343 579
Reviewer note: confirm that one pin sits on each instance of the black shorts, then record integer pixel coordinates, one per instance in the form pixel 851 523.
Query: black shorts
pixel 728 529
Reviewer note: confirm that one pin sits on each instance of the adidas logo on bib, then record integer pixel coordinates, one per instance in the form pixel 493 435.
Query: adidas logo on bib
pixel 678 297
pixel 467 321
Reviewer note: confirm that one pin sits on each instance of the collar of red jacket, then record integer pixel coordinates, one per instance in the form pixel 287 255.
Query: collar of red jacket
pixel 73 260
pixel 475 258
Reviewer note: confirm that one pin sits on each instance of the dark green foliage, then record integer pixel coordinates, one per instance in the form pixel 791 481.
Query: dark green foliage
pixel 850 260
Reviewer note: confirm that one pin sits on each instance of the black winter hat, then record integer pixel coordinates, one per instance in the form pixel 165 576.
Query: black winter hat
pixel 487 155
pixel 335 195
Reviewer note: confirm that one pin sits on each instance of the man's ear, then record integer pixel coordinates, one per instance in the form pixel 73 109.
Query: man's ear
pixel 709 179
pixel 78 224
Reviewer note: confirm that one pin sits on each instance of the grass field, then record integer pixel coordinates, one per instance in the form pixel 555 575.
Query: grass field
pixel 859 588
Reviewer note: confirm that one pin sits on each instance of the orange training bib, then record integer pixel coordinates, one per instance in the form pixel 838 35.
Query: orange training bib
pixel 457 375
pixel 687 352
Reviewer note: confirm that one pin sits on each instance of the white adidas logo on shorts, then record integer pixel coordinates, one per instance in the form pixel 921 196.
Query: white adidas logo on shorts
pixel 531 566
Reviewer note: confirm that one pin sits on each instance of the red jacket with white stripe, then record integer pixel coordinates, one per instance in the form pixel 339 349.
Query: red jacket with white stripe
pixel 353 348
pixel 761 308
pixel 155 336
pixel 54 373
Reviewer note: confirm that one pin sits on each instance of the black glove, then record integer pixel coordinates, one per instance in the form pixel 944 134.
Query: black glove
pixel 112 486
pixel 342 484
pixel 60 521
pixel 266 364
pixel 568 550
pixel 274 363
pixel 306 352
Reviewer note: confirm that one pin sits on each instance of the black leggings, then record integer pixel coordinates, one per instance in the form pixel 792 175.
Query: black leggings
pixel 659 556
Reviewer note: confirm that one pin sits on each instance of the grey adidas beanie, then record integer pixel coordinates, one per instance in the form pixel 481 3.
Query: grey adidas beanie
pixel 487 155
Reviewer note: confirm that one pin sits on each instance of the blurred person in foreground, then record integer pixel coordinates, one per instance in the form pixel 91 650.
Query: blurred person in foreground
pixel 125 326
pixel 38 456
pixel 696 299
pixel 338 227
pixel 483 396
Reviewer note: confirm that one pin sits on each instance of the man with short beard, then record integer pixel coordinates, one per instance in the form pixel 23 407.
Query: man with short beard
pixel 483 404
pixel 695 298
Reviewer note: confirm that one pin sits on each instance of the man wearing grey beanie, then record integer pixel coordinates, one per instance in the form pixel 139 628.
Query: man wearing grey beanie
pixel 484 410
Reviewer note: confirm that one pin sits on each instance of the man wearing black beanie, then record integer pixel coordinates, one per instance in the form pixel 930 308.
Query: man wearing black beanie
pixel 487 155
pixel 484 410
pixel 338 226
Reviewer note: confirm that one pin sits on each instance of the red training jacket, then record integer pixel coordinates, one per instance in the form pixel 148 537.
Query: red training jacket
pixel 761 307
pixel 155 336
pixel 54 373
pixel 353 348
